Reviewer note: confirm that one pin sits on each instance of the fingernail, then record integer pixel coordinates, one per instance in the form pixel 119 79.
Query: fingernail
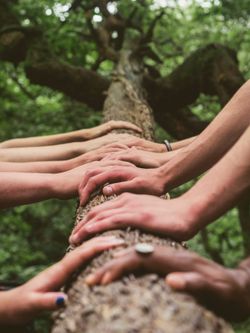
pixel 108 190
pixel 106 278
pixel 60 301
pixel 90 279
pixel 74 239
pixel 176 281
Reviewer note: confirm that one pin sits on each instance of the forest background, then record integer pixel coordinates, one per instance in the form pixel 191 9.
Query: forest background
pixel 34 236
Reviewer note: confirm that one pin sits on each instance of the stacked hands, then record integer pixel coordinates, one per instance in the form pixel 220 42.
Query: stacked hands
pixel 138 171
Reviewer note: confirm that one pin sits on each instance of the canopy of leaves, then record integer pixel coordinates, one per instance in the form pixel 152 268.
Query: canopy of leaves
pixel 34 236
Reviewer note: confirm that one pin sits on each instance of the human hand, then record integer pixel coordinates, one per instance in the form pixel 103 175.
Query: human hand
pixel 225 291
pixel 21 304
pixel 124 176
pixel 94 132
pixel 94 155
pixel 65 184
pixel 139 143
pixel 167 217
pixel 140 158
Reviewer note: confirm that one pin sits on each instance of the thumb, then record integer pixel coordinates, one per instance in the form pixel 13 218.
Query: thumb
pixel 118 188
pixel 191 281
pixel 49 301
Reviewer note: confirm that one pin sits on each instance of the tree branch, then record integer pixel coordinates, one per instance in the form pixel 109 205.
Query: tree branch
pixel 212 70
pixel 18 44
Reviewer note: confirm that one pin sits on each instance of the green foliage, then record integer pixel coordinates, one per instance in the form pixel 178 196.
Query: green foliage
pixel 34 236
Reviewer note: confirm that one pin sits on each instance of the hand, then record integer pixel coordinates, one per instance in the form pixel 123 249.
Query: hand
pixel 223 290
pixel 124 176
pixel 139 143
pixel 167 217
pixel 102 129
pixel 65 184
pixel 94 155
pixel 21 304
pixel 140 158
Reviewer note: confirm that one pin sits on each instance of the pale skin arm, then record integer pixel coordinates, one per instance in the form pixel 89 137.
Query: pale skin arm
pixel 225 291
pixel 182 143
pixel 212 143
pixel 61 166
pixel 20 305
pixel 181 218
pixel 74 136
pixel 188 163
pixel 19 188
pixel 60 152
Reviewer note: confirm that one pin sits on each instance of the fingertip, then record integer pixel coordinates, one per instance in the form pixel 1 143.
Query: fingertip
pixel 107 278
pixel 74 239
pixel 90 280
pixel 176 281
pixel 108 190
pixel 61 300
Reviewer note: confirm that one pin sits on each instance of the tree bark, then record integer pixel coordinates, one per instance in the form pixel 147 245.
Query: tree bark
pixel 134 304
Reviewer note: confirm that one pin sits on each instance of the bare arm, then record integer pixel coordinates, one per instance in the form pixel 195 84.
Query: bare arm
pixel 74 136
pixel 19 188
pixel 180 218
pixel 182 143
pixel 60 166
pixel 59 152
pixel 212 143
pixel 222 186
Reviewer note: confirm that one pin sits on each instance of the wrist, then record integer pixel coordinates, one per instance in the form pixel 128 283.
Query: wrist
pixel 189 218
pixel 57 185
pixel 161 148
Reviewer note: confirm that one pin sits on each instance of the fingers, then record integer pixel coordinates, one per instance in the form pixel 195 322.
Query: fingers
pixel 113 220
pixel 125 125
pixel 96 181
pixel 115 203
pixel 116 268
pixel 55 276
pixel 190 282
pixel 47 301
pixel 109 171
pixel 118 188
pixel 161 261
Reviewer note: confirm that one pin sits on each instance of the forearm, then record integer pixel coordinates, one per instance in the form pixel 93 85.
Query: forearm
pixel 164 158
pixel 222 186
pixel 22 188
pixel 37 167
pixel 182 143
pixel 46 140
pixel 45 153
pixel 212 143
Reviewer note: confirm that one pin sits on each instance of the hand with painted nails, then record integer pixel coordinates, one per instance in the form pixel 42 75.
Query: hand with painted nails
pixel 20 305
pixel 167 217
pixel 223 290
pixel 124 177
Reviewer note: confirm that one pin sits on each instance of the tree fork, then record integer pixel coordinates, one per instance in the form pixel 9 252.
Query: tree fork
pixel 143 304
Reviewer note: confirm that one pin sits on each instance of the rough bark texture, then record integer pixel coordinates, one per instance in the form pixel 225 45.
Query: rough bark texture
pixel 144 304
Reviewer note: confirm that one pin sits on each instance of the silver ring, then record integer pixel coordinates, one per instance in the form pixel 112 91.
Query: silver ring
pixel 144 248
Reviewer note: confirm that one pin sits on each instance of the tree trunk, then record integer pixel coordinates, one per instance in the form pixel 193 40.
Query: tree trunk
pixel 143 304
